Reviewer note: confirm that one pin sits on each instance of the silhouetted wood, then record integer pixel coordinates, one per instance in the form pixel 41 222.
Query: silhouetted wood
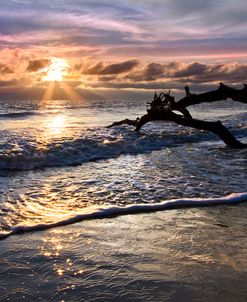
pixel 162 108
pixel 126 122
pixel 215 127
pixel 222 93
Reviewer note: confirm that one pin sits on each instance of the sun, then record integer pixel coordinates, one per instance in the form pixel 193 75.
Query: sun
pixel 56 71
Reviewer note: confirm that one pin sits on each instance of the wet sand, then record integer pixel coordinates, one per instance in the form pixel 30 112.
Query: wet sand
pixel 178 255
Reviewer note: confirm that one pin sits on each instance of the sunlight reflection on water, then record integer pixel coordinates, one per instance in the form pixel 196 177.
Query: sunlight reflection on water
pixel 57 123
pixel 138 256
pixel 161 163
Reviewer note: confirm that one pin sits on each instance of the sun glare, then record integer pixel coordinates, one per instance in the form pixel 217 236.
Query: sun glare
pixel 57 122
pixel 55 126
pixel 57 70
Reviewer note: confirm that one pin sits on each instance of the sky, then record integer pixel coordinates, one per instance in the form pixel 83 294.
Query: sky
pixel 121 48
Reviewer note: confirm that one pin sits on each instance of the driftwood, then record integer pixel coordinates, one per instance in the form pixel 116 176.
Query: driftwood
pixel 163 106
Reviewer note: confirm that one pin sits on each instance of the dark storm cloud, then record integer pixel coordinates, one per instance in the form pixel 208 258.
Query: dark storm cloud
pixel 36 65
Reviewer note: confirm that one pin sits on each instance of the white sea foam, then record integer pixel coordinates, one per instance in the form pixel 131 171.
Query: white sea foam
pixel 24 153
pixel 114 211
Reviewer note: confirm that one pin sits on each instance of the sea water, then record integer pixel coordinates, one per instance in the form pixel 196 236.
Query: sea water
pixel 59 163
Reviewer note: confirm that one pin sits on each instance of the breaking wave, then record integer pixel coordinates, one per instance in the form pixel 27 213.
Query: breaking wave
pixel 18 153
pixel 114 211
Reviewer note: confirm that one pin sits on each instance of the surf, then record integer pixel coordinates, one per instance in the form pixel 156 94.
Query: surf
pixel 24 153
pixel 115 211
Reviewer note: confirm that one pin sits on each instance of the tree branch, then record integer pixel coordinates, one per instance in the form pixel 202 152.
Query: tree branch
pixel 162 108
pixel 215 127
pixel 222 93
pixel 124 122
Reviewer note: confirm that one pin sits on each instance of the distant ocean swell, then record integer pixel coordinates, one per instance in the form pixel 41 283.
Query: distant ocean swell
pixel 26 114
pixel 22 153
pixel 111 212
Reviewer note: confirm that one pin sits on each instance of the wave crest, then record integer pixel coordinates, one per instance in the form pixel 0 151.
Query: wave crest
pixel 95 144
pixel 111 212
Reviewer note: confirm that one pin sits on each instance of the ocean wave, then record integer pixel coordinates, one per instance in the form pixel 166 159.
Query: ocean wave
pixel 24 114
pixel 96 144
pixel 114 211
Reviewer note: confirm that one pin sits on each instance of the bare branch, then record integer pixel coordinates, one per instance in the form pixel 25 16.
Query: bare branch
pixel 222 93
pixel 215 127
pixel 162 108
pixel 124 122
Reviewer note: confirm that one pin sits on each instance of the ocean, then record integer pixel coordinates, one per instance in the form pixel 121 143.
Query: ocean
pixel 58 160
pixel 60 165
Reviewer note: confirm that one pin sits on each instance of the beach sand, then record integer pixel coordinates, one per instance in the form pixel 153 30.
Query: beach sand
pixel 177 255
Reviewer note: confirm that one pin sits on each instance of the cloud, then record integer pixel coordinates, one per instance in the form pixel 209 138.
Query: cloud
pixel 131 74
pixel 139 85
pixel 203 73
pixel 173 75
pixel 187 70
pixel 101 68
pixel 148 28
pixel 193 72
pixel 9 83
pixel 36 65
pixel 143 77
pixel 4 69
pixel 151 72
pixel 23 82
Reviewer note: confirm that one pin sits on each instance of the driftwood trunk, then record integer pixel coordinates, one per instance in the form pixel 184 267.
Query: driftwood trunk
pixel 167 114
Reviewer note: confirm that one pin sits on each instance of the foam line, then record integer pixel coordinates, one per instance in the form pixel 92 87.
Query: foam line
pixel 110 212
pixel 99 145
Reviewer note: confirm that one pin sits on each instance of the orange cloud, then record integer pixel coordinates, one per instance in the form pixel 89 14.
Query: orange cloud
pixel 36 65
pixel 101 68
pixel 5 69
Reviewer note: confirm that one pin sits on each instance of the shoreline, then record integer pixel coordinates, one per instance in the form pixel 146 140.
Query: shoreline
pixel 96 213
pixel 179 255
